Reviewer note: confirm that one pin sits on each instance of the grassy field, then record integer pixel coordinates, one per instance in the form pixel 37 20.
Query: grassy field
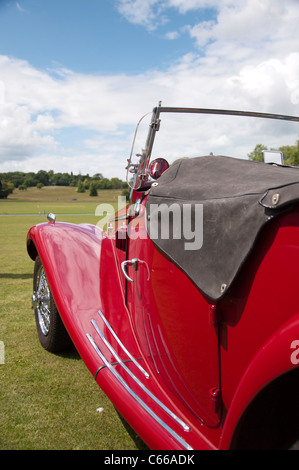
pixel 47 401
pixel 57 199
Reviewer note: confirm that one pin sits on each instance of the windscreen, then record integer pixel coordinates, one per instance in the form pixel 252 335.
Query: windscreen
pixel 183 135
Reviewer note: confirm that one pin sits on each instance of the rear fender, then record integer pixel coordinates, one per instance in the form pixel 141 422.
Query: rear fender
pixel 279 355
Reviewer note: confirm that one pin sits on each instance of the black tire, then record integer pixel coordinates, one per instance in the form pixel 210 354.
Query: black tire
pixel 51 331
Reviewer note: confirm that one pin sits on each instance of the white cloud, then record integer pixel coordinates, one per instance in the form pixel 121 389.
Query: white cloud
pixel 21 9
pixel 245 21
pixel 171 35
pixel 247 58
pixel 19 135
pixel 252 22
pixel 151 13
pixel 38 108
pixel 203 32
pixel 142 12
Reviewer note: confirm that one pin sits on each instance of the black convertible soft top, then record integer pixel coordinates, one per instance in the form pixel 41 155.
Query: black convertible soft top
pixel 231 198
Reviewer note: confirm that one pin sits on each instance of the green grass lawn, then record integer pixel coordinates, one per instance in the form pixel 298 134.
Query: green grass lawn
pixel 57 199
pixel 47 401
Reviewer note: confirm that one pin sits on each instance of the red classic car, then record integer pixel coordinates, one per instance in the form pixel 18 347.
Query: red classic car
pixel 185 310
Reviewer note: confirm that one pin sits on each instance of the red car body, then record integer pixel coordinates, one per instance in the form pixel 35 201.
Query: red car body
pixel 186 371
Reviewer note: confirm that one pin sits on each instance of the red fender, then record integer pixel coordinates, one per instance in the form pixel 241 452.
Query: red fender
pixel 71 255
pixel 83 280
pixel 272 360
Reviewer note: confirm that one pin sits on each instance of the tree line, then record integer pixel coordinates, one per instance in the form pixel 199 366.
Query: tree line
pixel 21 180
pixel 290 153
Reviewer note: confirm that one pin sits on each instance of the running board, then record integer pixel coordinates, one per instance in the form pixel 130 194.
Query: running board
pixel 138 382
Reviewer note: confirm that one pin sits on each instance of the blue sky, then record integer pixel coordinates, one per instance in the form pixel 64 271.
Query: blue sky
pixel 76 75
pixel 89 36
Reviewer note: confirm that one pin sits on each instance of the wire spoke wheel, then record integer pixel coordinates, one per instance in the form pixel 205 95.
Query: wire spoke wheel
pixel 43 301
pixel 50 329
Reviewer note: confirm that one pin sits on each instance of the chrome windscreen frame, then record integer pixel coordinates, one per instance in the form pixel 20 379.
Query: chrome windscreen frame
pixel 140 171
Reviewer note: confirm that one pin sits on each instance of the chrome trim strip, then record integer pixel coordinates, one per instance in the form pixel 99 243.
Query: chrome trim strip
pixel 137 398
pixel 122 345
pixel 112 364
pixel 141 385
pixel 148 342
pixel 119 217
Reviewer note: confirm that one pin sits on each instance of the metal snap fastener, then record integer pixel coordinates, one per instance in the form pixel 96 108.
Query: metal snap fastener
pixel 275 199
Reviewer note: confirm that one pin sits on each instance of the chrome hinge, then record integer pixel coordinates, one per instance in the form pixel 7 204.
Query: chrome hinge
pixel 155 125
pixel 213 315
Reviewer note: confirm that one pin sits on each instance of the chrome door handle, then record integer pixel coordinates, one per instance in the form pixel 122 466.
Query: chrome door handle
pixel 130 262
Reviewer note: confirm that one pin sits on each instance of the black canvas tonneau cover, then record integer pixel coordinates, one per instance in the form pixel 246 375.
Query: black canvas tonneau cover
pixel 237 198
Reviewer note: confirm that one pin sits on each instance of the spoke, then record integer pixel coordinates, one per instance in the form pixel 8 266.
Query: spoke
pixel 43 302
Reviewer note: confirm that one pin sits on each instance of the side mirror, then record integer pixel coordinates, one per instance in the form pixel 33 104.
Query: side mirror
pixel 273 156
pixel 157 167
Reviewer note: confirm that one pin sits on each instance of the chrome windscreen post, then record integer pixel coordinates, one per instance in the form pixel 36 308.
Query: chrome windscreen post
pixel 140 169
